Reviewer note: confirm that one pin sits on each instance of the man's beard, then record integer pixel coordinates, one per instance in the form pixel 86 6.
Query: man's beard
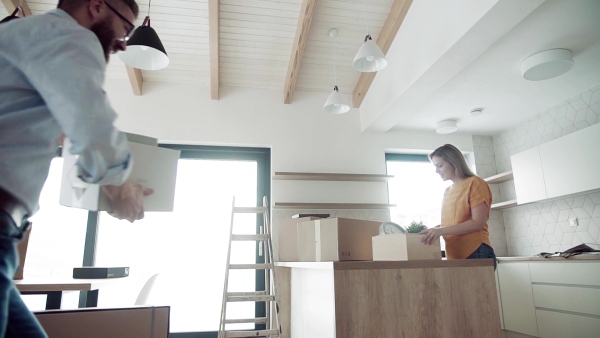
pixel 105 34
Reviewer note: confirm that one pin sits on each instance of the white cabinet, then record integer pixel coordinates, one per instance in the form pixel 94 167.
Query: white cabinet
pixel 565 166
pixel 571 163
pixel 518 310
pixel 528 176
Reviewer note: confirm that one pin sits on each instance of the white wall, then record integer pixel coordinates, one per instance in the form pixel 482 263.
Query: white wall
pixel 301 135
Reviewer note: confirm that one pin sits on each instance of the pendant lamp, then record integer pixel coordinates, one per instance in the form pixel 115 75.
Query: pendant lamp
pixel 144 49
pixel 14 15
pixel 369 58
pixel 335 103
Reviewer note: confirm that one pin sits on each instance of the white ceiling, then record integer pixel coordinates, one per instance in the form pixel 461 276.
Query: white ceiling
pixel 449 56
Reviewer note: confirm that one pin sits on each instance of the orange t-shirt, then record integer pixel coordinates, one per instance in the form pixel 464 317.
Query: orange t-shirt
pixel 458 201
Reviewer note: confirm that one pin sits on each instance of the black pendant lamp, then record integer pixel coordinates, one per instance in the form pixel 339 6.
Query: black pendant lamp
pixel 144 49
pixel 14 15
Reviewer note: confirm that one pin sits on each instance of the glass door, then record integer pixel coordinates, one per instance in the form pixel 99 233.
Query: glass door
pixel 188 247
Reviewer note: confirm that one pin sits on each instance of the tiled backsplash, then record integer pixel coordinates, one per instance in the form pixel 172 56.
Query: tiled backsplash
pixel 543 226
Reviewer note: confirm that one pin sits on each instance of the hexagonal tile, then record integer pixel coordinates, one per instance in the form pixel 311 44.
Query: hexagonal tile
pixel 550 228
pixel 579 213
pixel 578 103
pixel 568 238
pixel 578 201
pixel 553 240
pixel 591 117
pixel 568 130
pixel 561 110
pixel 595 97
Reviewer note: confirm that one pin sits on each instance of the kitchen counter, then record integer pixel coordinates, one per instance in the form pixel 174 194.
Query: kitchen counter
pixel 582 257
pixel 356 299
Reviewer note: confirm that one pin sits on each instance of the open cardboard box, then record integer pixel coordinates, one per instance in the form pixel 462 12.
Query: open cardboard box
pixel 404 247
pixel 133 322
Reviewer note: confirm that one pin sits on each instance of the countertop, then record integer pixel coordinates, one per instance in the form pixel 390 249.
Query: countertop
pixel 582 257
pixel 375 265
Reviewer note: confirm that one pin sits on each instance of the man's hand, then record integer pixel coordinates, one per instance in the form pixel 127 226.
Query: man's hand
pixel 127 200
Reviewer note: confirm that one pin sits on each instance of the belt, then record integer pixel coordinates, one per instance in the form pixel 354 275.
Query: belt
pixel 10 205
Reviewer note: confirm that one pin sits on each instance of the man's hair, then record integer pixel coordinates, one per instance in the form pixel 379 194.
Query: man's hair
pixel 69 5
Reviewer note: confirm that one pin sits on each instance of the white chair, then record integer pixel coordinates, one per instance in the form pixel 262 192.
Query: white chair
pixel 142 298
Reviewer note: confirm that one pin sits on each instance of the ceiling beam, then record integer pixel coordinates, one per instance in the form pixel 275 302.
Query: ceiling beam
pixel 302 29
pixel 213 46
pixel 10 6
pixel 136 80
pixel 386 37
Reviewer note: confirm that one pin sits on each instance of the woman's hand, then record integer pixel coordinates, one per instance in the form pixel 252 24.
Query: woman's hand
pixel 430 235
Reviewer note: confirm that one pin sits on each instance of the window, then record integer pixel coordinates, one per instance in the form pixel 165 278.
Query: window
pixel 416 190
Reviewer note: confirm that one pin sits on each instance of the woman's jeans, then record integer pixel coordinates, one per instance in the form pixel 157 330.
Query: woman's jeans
pixel 15 318
pixel 484 251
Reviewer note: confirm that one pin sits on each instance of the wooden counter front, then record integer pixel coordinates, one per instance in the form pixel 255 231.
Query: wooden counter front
pixel 430 298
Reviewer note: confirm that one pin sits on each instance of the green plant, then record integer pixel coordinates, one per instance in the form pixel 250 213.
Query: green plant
pixel 415 227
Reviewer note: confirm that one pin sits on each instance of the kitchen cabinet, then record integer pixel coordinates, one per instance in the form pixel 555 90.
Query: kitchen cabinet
pixel 571 164
pixel 555 297
pixel 518 309
pixel 561 167
pixel 501 178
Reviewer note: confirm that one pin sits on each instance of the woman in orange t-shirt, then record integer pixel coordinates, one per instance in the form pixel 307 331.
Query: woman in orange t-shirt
pixel 465 208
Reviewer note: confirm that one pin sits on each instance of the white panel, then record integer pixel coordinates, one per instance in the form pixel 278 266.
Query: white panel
pixel 517 298
pixel 571 164
pixel 313 303
pixel 579 273
pixel 528 176
pixel 561 325
pixel 567 298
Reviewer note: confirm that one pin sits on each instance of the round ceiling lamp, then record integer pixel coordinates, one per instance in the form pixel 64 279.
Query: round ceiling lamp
pixel 446 127
pixel 547 64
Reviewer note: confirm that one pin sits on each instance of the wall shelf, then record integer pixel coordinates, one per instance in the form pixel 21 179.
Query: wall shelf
pixel 500 178
pixel 331 177
pixel 504 205
pixel 284 205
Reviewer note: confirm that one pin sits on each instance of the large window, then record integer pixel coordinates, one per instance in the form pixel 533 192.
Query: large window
pixel 187 247
pixel 416 190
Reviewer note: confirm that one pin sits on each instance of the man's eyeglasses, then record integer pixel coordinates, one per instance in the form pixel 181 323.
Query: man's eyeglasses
pixel 129 23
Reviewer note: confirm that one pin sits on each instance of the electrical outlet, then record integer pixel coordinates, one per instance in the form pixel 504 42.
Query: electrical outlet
pixel 573 222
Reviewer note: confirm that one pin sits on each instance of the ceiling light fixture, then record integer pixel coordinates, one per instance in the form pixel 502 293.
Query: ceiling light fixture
pixel 335 103
pixel 144 48
pixel 446 127
pixel 369 58
pixel 547 64
pixel 15 13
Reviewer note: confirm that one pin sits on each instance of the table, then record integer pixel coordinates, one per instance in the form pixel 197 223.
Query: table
pixel 54 287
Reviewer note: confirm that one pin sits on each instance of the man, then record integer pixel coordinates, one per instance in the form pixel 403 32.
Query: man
pixel 51 75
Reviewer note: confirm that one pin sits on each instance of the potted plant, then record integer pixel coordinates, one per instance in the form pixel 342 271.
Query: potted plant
pixel 415 228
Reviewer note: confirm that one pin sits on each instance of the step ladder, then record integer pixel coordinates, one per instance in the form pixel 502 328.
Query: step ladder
pixel 265 248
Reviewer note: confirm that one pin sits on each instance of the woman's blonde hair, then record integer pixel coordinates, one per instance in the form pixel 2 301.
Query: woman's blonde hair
pixel 452 155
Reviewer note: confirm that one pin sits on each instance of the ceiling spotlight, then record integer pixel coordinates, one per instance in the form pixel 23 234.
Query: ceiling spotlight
pixel 446 127
pixel 476 111
pixel 547 64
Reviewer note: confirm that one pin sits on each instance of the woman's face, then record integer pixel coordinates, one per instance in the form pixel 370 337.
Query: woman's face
pixel 443 168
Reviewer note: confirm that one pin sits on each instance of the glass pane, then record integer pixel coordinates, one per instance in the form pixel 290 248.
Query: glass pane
pixel 188 246
pixel 417 192
pixel 57 238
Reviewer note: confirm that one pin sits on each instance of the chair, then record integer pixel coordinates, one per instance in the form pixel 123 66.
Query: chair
pixel 142 298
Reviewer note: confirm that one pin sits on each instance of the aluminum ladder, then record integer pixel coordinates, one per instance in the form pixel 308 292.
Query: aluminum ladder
pixel 272 328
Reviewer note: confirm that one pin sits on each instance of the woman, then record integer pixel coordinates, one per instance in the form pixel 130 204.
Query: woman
pixel 465 208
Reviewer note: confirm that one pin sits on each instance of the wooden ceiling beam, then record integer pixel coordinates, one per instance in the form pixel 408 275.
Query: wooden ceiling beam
pixel 136 80
pixel 213 46
pixel 10 6
pixel 307 12
pixel 386 37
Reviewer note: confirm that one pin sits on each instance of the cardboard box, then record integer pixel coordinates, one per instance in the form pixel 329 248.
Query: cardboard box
pixel 336 239
pixel 288 238
pixel 138 322
pixel 403 247
pixel 153 167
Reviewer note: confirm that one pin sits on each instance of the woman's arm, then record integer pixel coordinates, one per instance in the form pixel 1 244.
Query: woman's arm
pixel 479 216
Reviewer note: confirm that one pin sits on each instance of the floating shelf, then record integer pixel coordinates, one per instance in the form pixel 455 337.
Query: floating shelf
pixel 500 178
pixel 332 206
pixel 331 177
pixel 504 205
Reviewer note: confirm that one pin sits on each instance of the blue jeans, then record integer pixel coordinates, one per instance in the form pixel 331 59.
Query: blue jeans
pixel 15 318
pixel 484 251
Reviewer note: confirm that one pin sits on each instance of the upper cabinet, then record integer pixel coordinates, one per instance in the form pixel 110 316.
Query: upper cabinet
pixel 565 166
